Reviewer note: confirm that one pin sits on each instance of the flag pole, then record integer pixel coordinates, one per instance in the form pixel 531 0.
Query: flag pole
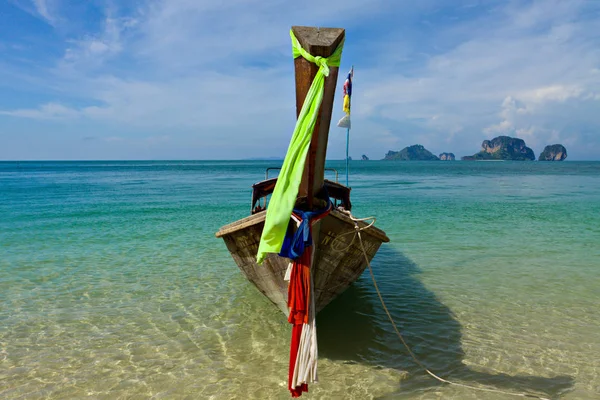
pixel 348 134
pixel 347 159
pixel 345 121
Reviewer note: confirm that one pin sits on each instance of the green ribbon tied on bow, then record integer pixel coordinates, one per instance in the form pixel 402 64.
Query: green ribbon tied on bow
pixel 286 190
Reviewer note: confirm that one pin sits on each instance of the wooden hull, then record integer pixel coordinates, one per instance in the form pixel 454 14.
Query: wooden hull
pixel 337 262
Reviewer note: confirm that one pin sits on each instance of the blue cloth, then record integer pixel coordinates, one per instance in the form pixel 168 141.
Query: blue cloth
pixel 294 243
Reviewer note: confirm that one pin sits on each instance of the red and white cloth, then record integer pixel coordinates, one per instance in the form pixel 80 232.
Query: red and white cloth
pixel 301 303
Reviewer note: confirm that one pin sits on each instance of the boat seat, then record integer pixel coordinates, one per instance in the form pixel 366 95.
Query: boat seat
pixel 338 193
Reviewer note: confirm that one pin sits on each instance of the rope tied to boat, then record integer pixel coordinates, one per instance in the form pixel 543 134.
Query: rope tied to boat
pixel 286 189
pixel 357 233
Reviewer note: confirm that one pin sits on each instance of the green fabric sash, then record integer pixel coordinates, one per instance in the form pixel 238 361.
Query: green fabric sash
pixel 286 190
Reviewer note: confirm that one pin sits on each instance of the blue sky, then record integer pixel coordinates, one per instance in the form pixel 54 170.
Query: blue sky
pixel 191 79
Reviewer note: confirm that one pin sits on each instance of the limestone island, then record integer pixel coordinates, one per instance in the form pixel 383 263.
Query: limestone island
pixel 503 148
pixel 553 152
pixel 411 153
pixel 364 158
pixel 447 157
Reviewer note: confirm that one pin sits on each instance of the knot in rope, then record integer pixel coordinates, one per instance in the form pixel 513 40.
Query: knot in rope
pixel 322 64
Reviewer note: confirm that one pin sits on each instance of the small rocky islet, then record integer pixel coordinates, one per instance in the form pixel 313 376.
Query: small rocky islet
pixel 503 148
pixel 411 153
pixel 499 148
pixel 553 152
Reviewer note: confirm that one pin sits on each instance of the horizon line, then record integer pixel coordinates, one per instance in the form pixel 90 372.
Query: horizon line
pixel 241 159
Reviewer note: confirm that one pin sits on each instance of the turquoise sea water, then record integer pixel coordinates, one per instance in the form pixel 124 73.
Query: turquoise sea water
pixel 113 286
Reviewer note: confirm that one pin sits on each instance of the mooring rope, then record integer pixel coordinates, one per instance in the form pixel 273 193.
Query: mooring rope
pixel 357 230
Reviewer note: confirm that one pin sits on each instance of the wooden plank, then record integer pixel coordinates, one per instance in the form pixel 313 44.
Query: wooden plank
pixel 318 42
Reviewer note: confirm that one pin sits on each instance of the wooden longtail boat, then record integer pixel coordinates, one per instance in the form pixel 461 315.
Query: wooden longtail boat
pixel 338 256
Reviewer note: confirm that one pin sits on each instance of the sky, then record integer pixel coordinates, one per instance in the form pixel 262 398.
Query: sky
pixel 195 79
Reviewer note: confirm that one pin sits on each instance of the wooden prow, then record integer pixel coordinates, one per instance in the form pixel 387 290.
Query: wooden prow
pixel 318 42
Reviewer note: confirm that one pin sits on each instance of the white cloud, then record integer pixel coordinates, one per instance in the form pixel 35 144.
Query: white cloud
pixel 521 68
pixel 48 111
pixel 531 66
pixel 504 127
pixel 45 9
pixel 552 93
pixel 85 55
pixel 191 70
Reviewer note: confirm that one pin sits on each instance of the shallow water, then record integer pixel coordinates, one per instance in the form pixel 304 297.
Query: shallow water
pixel 112 284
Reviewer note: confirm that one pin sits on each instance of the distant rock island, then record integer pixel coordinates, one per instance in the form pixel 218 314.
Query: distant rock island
pixel 364 158
pixel 553 152
pixel 503 148
pixel 411 153
pixel 447 157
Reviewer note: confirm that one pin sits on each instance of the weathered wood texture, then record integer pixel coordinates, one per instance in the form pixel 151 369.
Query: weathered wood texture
pixel 318 42
pixel 338 261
